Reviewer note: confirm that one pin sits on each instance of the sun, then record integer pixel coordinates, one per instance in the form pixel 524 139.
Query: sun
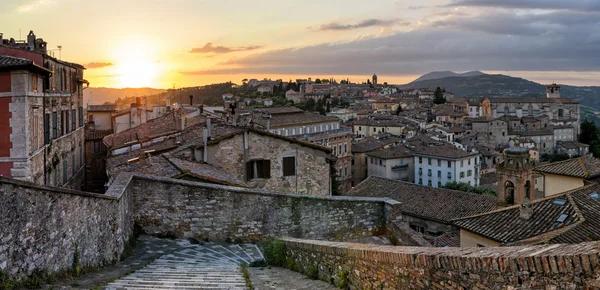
pixel 136 63
pixel 137 73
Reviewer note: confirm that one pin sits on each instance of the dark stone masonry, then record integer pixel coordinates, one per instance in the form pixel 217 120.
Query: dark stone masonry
pixel 53 229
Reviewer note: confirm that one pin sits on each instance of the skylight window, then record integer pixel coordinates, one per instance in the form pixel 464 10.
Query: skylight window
pixel 562 218
pixel 595 195
pixel 559 202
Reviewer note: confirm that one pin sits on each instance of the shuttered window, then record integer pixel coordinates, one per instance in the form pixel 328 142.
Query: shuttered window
pixel 258 169
pixel 289 166
pixel 47 129
pixel 73 122
pixel 54 124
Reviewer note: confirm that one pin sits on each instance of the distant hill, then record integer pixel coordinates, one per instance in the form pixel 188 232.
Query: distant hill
pixel 97 96
pixel 446 74
pixel 490 86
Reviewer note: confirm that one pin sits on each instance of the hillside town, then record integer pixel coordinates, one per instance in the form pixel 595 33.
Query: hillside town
pixel 464 172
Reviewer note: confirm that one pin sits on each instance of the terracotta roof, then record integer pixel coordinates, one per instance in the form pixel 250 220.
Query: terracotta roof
pixel 532 133
pixel 583 167
pixel 207 172
pixel 288 116
pixel 427 202
pixel 381 123
pixel 8 61
pixel 448 239
pixel 425 146
pixel 280 110
pixel 581 221
pixel 373 143
pixel 392 152
pixel 102 108
pixel 571 144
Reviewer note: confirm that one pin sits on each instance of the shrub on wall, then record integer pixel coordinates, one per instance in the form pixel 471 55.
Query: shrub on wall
pixel 275 253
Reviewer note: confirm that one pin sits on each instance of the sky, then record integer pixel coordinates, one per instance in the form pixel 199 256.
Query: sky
pixel 178 43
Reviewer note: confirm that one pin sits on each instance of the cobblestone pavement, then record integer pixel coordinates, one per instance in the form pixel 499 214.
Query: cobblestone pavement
pixel 274 278
pixel 207 266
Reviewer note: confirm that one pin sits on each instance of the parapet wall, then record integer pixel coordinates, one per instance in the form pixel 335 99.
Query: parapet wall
pixel 363 266
pixel 44 228
pixel 184 209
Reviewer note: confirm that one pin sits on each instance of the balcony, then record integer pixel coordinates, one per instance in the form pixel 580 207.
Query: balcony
pixel 400 167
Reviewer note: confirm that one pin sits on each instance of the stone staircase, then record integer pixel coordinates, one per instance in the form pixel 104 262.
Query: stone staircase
pixel 191 266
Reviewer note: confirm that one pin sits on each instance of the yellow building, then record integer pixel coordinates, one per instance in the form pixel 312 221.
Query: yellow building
pixel 567 175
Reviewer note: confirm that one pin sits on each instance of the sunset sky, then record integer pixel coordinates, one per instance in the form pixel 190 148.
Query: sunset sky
pixel 165 43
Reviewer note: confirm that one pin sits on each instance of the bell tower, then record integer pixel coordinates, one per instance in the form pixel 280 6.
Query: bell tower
pixel 515 176
pixel 553 91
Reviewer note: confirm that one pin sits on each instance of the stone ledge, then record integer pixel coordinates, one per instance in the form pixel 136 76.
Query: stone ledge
pixel 258 191
pixel 55 189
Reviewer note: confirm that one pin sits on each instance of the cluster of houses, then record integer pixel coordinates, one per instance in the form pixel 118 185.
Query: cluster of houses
pixel 386 143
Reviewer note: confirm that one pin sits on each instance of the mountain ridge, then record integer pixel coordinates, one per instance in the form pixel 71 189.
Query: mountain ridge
pixel 444 74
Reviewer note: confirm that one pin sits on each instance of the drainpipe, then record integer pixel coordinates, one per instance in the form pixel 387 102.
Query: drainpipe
pixel 44 118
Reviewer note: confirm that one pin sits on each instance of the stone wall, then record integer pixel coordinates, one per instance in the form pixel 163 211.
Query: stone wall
pixel 43 226
pixel 362 266
pixel 220 213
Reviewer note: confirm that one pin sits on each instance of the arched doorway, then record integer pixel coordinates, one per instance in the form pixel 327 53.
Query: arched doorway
pixel 509 192
pixel 528 191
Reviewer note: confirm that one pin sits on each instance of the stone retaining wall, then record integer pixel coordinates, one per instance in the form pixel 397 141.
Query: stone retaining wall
pixel 361 266
pixel 177 208
pixel 41 227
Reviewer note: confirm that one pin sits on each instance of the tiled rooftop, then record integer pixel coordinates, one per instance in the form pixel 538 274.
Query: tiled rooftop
pixel 581 214
pixel 583 167
pixel 102 108
pixel 424 201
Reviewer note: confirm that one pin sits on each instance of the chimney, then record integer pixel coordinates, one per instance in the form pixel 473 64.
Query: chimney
pixel 205 152
pixel 31 41
pixel 191 100
pixel 208 129
pixel 143 157
pixel 138 101
pixel 1 39
pixel 526 210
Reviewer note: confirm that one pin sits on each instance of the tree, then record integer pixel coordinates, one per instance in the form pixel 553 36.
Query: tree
pixel 439 96
pixel 317 81
pixel 344 82
pixel 590 135
pixel 469 188
pixel 399 109
pixel 310 105
pixel 328 108
pixel 385 84
pixel 335 101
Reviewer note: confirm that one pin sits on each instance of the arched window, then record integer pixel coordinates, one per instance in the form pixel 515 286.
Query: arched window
pixel 509 192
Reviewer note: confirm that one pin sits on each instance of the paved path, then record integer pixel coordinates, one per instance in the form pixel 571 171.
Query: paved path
pixel 273 278
pixel 207 266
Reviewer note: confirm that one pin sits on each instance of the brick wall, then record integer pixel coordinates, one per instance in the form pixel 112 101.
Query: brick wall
pixel 41 226
pixel 221 213
pixel 387 267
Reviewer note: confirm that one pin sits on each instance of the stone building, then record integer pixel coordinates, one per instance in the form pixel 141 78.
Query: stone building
pixel 258 158
pixel 394 162
pixel 515 177
pixel 42 115
pixel 360 149
pixel 100 115
pixel 560 111
pixel 370 127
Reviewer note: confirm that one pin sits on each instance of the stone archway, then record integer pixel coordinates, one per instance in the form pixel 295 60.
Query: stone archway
pixel 509 192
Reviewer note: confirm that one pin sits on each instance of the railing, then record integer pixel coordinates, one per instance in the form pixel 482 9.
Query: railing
pixel 400 167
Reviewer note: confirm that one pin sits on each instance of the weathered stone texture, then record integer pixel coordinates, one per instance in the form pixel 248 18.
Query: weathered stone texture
pixel 220 213
pixel 387 267
pixel 41 226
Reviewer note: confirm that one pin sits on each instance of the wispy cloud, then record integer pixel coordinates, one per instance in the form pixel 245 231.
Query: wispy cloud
pixel 98 64
pixel 33 5
pixel 578 5
pixel 362 24
pixel 210 48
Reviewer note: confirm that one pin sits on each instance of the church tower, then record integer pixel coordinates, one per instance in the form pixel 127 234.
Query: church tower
pixel 553 91
pixel 374 79
pixel 515 176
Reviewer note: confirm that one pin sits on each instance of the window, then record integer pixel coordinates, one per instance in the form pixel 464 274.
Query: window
pixel 293 131
pixel 359 128
pixel 345 170
pixel 374 129
pixel 80 154
pixel 418 229
pixel 469 173
pixel 462 174
pixel 371 160
pixel 420 160
pixel 73 164
pixel 420 171
pixel 340 149
pixel 67 122
pixel 429 183
pixel 439 184
pixel 428 161
pixel 352 161
pixel 380 162
pixel 439 174
pixel 62 123
pixel 346 148
pixel 96 147
pixel 34 83
pixel 428 172
pixel 334 150
pixel 54 124
pixel 256 169
pixel 64 172
pixel 449 175
pixel 421 181
pixel 439 163
pixel 47 129
pixel 462 163
pixel 73 124
pixel 449 164
pixel 289 166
